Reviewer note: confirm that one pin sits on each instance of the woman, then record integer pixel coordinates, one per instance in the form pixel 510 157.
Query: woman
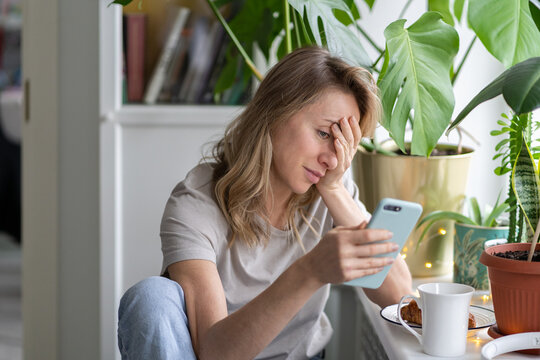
pixel 244 260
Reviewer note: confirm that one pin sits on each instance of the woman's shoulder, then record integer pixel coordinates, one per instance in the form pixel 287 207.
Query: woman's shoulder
pixel 196 190
pixel 198 180
pixel 193 201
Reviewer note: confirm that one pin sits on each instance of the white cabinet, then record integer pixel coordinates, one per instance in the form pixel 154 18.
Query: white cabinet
pixel 96 176
pixel 144 152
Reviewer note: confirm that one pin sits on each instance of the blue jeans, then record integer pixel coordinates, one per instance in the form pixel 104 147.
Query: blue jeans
pixel 152 322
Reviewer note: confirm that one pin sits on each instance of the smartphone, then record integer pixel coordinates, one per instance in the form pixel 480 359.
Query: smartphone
pixel 399 217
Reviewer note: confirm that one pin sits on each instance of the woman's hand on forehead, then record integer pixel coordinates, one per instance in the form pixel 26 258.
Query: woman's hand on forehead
pixel 346 134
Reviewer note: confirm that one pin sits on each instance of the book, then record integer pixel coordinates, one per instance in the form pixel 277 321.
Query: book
pixel 167 54
pixel 176 70
pixel 207 96
pixel 135 45
pixel 207 60
pixel 197 48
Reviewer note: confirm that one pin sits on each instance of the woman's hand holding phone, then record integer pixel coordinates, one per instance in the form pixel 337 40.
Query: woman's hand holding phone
pixel 347 253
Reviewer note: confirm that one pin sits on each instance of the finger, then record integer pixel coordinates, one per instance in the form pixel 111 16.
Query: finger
pixel 347 131
pixel 362 225
pixel 371 250
pixel 338 134
pixel 370 235
pixel 355 274
pixel 371 263
pixel 340 151
pixel 357 132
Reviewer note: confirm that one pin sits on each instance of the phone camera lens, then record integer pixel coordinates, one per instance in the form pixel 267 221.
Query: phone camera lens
pixel 392 208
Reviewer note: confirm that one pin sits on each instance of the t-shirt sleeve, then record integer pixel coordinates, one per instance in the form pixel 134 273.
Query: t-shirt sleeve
pixel 190 227
pixel 352 188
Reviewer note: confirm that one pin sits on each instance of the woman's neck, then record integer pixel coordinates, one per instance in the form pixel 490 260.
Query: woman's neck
pixel 277 211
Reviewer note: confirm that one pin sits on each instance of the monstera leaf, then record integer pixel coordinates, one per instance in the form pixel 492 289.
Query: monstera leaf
pixel 506 28
pixel 519 85
pixel 442 7
pixel 415 80
pixel 340 39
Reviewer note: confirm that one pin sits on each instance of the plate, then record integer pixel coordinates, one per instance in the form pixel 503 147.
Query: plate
pixel 484 317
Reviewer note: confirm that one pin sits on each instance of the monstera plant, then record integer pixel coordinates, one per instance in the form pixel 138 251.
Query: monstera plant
pixel 417 72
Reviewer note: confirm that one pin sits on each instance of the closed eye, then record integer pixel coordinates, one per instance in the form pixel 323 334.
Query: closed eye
pixel 323 135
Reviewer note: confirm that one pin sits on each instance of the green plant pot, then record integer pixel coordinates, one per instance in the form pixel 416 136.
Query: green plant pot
pixel 469 243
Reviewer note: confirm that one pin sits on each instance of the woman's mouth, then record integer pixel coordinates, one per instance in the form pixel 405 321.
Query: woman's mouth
pixel 313 176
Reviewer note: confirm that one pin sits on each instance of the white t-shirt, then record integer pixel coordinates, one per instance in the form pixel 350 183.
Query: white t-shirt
pixel 193 227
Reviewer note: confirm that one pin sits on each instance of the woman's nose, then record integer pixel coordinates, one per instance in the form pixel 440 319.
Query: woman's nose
pixel 328 157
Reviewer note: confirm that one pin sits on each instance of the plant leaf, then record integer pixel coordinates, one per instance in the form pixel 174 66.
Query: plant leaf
pixel 344 17
pixel 501 144
pixel 446 215
pixel 370 3
pixel 438 215
pixel 340 39
pixel 475 210
pixel 526 98
pixel 521 89
pixel 494 214
pixel 442 7
pixel 458 8
pixel 227 76
pixel 535 12
pixel 255 22
pixel 501 171
pixel 121 2
pixel 525 184
pixel 415 80
pixel 506 29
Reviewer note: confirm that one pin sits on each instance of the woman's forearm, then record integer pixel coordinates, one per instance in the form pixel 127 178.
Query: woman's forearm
pixel 246 332
pixel 344 210
pixel 397 283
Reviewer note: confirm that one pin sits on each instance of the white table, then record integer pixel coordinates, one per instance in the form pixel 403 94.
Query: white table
pixel 400 344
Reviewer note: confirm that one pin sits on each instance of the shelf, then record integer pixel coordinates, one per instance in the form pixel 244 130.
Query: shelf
pixel 174 115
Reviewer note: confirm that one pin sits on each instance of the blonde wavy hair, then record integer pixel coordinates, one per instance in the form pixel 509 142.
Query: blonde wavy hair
pixel 243 156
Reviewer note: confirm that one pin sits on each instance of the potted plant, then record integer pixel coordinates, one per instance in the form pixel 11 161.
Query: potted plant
pixel 514 268
pixel 415 80
pixel 471 234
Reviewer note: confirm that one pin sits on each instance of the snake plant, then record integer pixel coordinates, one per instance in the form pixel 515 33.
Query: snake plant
pixel 520 87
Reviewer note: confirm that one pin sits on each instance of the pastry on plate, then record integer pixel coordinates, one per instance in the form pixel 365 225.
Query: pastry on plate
pixel 412 313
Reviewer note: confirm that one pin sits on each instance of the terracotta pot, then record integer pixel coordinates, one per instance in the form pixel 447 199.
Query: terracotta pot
pixel 515 288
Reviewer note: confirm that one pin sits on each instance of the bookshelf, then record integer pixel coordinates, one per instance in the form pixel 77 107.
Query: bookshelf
pixel 144 151
pixel 174 52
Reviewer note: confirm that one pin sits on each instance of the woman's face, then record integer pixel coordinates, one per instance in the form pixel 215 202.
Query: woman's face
pixel 303 148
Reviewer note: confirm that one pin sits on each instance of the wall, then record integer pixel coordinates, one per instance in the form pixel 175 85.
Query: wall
pixel 61 180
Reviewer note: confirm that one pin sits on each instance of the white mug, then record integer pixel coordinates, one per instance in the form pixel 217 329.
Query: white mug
pixel 445 317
